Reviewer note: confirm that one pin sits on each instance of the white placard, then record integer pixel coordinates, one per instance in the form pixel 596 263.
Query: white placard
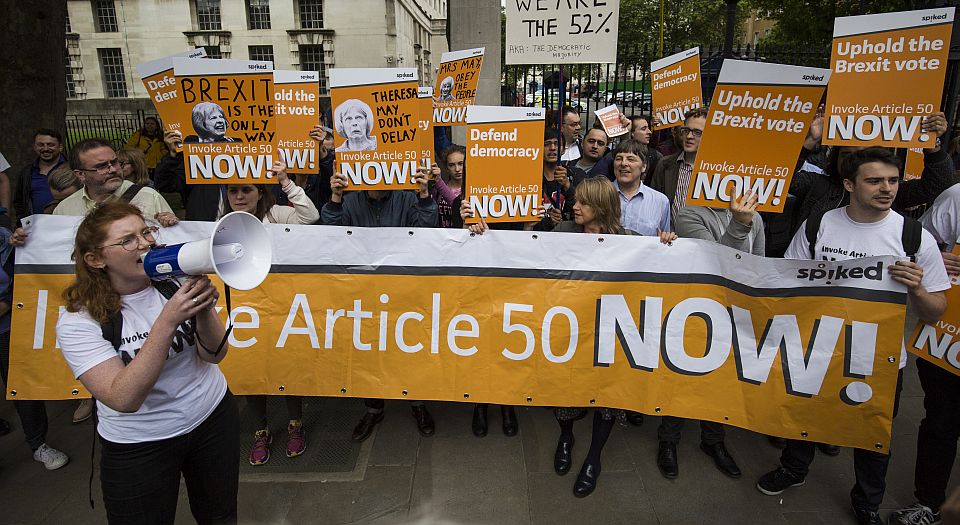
pixel 562 31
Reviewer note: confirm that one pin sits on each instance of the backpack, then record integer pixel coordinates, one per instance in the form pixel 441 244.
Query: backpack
pixel 910 237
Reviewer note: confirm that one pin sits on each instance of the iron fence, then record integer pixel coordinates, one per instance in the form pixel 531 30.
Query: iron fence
pixel 115 128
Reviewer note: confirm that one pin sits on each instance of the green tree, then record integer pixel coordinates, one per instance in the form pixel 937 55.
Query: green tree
pixel 808 24
pixel 687 23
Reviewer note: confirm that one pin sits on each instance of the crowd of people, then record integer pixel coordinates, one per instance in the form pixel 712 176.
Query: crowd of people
pixel 163 406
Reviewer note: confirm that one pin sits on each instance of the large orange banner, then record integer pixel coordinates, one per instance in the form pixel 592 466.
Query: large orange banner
pixel 675 86
pixel 376 115
pixel 939 343
pixel 297 109
pixel 888 72
pixel 456 86
pixel 695 329
pixel 504 152
pixel 756 126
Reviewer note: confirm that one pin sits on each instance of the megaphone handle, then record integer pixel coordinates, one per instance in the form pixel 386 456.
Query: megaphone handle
pixel 226 334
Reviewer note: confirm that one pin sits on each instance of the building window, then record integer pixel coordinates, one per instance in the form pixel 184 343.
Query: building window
pixel 111 70
pixel 264 53
pixel 311 14
pixel 213 51
pixel 258 14
pixel 208 15
pixel 71 83
pixel 311 59
pixel 68 24
pixel 105 16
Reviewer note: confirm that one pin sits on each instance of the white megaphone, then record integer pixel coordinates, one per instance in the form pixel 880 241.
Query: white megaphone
pixel 239 252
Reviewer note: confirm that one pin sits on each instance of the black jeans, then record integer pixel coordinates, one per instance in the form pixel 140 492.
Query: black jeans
pixel 939 431
pixel 33 414
pixel 140 481
pixel 378 404
pixel 669 430
pixel 869 467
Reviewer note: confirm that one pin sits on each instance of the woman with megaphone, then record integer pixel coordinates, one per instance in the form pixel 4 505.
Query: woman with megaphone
pixel 148 354
pixel 258 200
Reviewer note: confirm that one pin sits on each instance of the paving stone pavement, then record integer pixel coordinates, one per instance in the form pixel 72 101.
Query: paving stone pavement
pixel 455 478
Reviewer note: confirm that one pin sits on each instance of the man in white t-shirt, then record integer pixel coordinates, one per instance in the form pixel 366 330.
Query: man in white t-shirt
pixel 940 428
pixel 866 228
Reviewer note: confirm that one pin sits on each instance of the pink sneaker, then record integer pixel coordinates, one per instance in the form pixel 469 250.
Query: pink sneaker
pixel 260 453
pixel 297 440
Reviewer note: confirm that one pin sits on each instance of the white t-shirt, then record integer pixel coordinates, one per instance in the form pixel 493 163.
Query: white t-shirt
pixel 840 239
pixel 186 393
pixel 943 218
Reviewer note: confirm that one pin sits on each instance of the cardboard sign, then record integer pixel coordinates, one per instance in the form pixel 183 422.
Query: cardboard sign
pixel 376 116
pixel 888 72
pixel 157 77
pixel 297 107
pixel 610 118
pixel 561 31
pixel 504 152
pixel 675 87
pixel 230 110
pixel 913 167
pixel 456 86
pixel 425 96
pixel 756 126
pixel 939 343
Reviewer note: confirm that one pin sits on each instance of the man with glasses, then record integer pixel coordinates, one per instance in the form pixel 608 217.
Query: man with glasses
pixel 571 134
pixel 672 175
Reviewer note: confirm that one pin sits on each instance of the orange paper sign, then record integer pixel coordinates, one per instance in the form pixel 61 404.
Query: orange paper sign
pixel 888 72
pixel 755 129
pixel 157 77
pixel 913 168
pixel 425 95
pixel 676 86
pixel 297 106
pixel 504 155
pixel 939 343
pixel 456 85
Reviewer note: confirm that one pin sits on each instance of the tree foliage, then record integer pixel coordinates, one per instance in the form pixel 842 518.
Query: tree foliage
pixel 687 23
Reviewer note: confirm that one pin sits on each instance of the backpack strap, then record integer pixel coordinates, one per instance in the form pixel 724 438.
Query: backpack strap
pixel 911 236
pixel 112 330
pixel 131 192
pixel 812 230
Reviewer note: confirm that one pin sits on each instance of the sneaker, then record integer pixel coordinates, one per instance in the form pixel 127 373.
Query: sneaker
pixel 916 514
pixel 867 517
pixel 296 440
pixel 50 457
pixel 84 411
pixel 260 453
pixel 775 482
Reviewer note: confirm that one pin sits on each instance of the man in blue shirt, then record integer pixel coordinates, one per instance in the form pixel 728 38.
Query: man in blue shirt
pixel 643 209
pixel 30 189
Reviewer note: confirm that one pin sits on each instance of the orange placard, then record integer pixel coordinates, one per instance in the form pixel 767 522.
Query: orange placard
pixel 425 95
pixel 755 129
pixel 456 86
pixel 913 167
pixel 297 108
pixel 939 343
pixel 376 116
pixel 675 87
pixel 504 153
pixel 609 117
pixel 157 77
pixel 229 105
pixel 888 72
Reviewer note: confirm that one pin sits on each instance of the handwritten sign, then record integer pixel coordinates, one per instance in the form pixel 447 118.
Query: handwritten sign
pixel 562 31
pixel 456 84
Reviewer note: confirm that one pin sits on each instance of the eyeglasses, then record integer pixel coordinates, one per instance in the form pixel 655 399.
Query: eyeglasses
pixel 104 167
pixel 686 131
pixel 132 242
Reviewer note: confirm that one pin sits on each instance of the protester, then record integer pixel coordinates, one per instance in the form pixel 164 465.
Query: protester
pixel 63 183
pixel 940 427
pixel 672 176
pixel 163 407
pixel 377 208
pixel 741 228
pixel 594 148
pixel 447 182
pixel 867 226
pixel 644 210
pixel 30 190
pixel 202 202
pixel 149 140
pixel 559 182
pixel 641 132
pixel 133 167
pixel 570 132
pixel 258 201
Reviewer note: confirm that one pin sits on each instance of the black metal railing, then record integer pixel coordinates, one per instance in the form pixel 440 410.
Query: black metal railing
pixel 115 128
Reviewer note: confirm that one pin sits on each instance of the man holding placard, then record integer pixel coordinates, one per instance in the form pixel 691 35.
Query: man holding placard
pixel 673 173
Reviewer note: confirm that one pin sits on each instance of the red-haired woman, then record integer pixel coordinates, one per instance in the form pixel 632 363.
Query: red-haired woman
pixel 163 405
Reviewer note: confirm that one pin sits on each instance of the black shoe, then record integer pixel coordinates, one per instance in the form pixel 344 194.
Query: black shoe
pixel 510 425
pixel 773 483
pixel 366 425
pixel 562 458
pixel 635 418
pixel 586 480
pixel 424 420
pixel 867 517
pixel 4 427
pixel 778 443
pixel 829 450
pixel 722 459
pixel 667 460
pixel 479 420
